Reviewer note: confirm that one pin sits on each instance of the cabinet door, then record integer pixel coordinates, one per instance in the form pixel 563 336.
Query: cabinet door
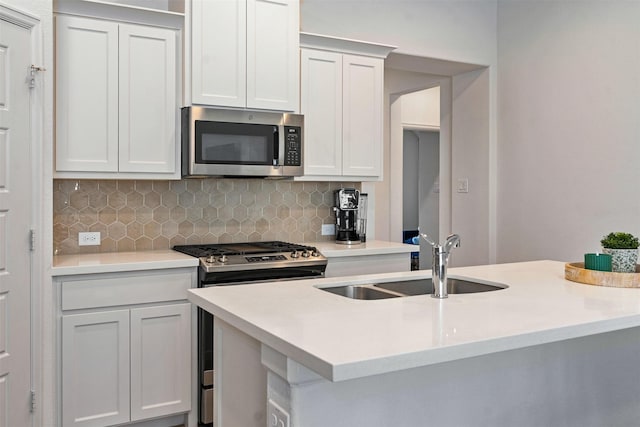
pixel 362 115
pixel 147 100
pixel 86 95
pixel 218 52
pixel 160 361
pixel 273 54
pixel 321 104
pixel 95 368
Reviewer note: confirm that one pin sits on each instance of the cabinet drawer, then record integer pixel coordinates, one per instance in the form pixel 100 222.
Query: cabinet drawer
pixel 125 289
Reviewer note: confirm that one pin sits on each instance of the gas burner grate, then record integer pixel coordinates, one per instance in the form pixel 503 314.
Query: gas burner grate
pixel 204 250
pixel 219 249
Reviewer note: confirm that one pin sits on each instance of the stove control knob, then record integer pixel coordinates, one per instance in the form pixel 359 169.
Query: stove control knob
pixel 223 259
pixel 211 259
pixel 305 254
pixel 294 254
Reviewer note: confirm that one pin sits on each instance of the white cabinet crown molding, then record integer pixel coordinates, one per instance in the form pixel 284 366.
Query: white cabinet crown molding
pixel 121 12
pixel 345 45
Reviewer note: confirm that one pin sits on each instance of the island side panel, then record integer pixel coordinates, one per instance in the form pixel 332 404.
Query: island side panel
pixel 240 379
pixel 591 381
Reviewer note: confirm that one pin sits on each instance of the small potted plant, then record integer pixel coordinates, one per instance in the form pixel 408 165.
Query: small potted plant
pixel 623 248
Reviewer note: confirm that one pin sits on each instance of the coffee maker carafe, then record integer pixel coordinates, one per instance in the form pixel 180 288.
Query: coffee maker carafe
pixel 346 211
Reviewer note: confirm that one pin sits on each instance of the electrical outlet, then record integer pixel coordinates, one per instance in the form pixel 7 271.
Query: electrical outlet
pixel 278 417
pixel 328 229
pixel 89 238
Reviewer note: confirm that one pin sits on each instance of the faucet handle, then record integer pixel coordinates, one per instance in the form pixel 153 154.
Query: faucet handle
pixel 426 237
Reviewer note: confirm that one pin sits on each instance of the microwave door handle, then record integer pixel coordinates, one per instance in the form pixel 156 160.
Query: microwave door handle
pixel 276 147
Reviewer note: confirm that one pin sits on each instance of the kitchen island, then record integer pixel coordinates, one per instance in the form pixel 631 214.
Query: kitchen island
pixel 544 351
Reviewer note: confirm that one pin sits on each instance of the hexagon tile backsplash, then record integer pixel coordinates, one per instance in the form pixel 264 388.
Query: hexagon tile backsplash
pixel 144 215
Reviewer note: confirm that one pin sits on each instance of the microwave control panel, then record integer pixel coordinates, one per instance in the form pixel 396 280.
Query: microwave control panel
pixel 292 146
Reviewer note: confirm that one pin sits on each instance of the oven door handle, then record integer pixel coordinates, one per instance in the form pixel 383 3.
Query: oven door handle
pixel 248 277
pixel 253 282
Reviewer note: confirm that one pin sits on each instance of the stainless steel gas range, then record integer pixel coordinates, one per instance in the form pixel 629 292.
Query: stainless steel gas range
pixel 228 264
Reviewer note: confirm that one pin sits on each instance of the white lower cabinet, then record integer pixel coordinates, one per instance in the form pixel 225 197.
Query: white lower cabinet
pixel 160 360
pixel 95 368
pixel 123 359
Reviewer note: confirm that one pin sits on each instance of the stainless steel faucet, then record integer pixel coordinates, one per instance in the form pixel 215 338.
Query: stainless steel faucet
pixel 441 255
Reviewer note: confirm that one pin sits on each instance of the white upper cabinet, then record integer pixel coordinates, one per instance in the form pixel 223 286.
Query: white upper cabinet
pixel 147 99
pixel 219 63
pixel 117 89
pixel 86 95
pixel 321 104
pixel 362 116
pixel 341 98
pixel 245 54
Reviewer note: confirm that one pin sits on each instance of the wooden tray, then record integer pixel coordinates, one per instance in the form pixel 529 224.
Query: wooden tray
pixel 577 273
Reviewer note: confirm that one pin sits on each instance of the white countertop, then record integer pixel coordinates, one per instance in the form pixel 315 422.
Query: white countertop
pixel 341 339
pixel 371 247
pixel 111 262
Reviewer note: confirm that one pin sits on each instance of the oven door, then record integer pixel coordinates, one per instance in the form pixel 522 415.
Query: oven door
pixel 205 321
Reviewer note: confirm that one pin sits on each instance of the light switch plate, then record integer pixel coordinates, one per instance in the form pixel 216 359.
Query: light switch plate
pixel 463 185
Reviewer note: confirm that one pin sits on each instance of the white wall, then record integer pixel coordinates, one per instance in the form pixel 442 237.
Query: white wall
pixel 461 30
pixel 472 212
pixel 569 133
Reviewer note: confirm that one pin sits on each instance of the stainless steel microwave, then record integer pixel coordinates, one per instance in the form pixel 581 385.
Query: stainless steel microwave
pixel 218 142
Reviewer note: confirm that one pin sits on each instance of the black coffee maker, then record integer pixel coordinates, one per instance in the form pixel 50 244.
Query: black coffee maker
pixel 346 211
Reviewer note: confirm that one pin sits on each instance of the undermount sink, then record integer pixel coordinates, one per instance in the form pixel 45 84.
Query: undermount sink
pixel 425 286
pixel 410 288
pixel 360 292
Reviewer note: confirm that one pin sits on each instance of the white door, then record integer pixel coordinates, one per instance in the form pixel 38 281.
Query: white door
pixel 15 214
pixel 95 369
pixel 362 116
pixel 86 95
pixel 219 62
pixel 321 104
pixel 273 58
pixel 147 99
pixel 160 360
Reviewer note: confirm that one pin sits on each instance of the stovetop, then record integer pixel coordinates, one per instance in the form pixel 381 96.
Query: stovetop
pixel 252 255
pixel 219 249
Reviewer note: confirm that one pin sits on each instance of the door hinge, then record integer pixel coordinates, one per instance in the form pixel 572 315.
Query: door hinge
pixel 33 401
pixel 32 239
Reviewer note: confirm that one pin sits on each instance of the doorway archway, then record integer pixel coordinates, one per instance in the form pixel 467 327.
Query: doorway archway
pixel 467 152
